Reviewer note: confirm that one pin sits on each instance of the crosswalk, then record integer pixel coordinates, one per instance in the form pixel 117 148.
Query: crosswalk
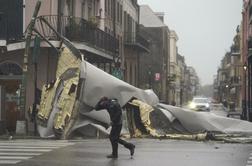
pixel 13 152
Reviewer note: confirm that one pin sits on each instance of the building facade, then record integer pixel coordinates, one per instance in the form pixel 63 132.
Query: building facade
pixel 134 44
pixel 183 100
pixel 174 75
pixel 247 60
pixel 154 66
pixel 228 82
pixel 105 31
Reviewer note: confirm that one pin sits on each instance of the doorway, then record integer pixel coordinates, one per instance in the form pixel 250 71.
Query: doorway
pixel 10 82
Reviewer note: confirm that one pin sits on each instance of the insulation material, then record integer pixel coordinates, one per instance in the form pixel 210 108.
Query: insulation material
pixel 47 98
pixel 57 103
pixel 65 104
pixel 67 61
pixel 145 111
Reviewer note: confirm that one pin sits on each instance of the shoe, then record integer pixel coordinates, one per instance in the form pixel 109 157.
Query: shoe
pixel 112 156
pixel 132 150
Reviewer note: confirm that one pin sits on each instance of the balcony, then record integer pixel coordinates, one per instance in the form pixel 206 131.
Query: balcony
pixel 235 50
pixel 235 81
pixel 250 43
pixel 136 41
pixel 78 30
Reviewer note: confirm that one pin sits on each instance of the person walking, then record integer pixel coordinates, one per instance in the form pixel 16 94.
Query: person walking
pixel 115 112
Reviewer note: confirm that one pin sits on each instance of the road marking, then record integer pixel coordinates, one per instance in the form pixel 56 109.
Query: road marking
pixel 14 157
pixel 29 147
pixel 24 150
pixel 13 152
pixel 9 161
pixel 19 154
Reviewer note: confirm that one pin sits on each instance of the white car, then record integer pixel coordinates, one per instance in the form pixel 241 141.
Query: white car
pixel 200 104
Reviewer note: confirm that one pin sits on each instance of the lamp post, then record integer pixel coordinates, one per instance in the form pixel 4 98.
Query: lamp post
pixel 227 95
pixel 245 113
pixel 150 77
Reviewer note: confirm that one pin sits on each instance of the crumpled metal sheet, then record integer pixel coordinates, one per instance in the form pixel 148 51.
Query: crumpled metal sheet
pixel 67 107
pixel 91 84
pixel 99 83
pixel 197 122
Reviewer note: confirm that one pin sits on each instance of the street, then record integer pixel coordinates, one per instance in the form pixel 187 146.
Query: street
pixel 219 112
pixel 148 152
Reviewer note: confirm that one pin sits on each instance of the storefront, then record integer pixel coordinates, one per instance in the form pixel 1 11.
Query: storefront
pixel 10 81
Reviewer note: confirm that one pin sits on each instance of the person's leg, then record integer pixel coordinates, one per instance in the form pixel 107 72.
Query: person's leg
pixel 114 136
pixel 126 144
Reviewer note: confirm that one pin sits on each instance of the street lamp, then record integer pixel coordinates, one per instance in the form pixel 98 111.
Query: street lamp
pixel 245 67
pixel 245 113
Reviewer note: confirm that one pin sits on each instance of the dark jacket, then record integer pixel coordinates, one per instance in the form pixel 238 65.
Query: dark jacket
pixel 113 108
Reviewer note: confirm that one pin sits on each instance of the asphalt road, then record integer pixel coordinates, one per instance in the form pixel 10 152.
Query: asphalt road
pixel 149 152
pixel 219 112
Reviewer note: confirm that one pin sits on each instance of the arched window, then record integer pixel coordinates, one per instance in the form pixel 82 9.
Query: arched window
pixel 9 68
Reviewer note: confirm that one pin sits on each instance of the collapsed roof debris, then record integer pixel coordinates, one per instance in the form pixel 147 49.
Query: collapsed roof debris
pixel 66 107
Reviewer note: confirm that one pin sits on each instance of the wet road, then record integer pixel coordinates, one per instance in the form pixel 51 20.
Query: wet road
pixel 149 152
pixel 219 112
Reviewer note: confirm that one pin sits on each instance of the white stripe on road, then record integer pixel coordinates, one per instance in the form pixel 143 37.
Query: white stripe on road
pixel 28 147
pixel 14 157
pixel 36 144
pixel 12 152
pixel 249 162
pixel 19 154
pixel 25 150
pixel 9 161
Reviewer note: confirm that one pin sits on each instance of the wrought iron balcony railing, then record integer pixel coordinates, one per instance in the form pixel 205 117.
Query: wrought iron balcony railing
pixel 235 81
pixel 133 38
pixel 79 30
pixel 250 43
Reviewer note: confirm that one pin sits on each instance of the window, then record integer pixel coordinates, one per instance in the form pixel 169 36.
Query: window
pixel 121 16
pixel 71 7
pixel 117 12
pixel 83 14
pixel 109 7
pixel 89 8
pixel 106 6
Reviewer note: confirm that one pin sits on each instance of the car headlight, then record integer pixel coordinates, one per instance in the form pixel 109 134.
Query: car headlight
pixel 207 105
pixel 192 105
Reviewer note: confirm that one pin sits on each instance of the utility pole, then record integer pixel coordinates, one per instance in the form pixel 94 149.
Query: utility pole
pixel 26 58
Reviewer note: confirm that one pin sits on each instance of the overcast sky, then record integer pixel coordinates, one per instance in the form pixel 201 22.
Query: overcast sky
pixel 205 29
